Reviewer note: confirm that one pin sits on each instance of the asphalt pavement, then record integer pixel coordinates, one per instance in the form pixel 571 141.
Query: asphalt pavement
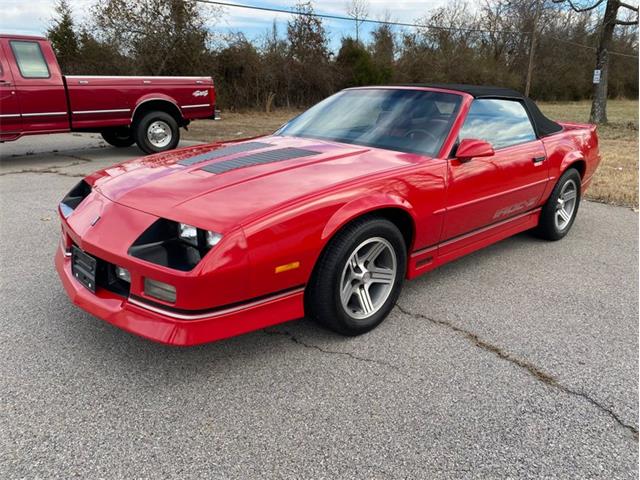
pixel 518 361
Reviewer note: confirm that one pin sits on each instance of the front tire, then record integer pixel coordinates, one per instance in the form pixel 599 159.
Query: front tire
pixel 358 278
pixel 156 132
pixel 560 211
pixel 118 137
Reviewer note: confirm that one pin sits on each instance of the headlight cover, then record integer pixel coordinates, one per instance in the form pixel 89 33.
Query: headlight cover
pixel 198 237
pixel 76 195
pixel 173 244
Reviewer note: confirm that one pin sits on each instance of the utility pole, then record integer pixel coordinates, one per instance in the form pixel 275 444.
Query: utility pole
pixel 532 46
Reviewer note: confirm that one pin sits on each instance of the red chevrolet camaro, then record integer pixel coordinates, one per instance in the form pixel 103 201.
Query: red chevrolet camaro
pixel 324 218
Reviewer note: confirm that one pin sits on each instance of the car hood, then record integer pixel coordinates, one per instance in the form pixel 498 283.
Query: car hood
pixel 186 185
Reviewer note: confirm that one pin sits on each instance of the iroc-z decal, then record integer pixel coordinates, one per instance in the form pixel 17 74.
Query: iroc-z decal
pixel 516 207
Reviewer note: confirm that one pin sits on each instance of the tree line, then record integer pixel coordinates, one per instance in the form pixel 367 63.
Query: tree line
pixel 295 67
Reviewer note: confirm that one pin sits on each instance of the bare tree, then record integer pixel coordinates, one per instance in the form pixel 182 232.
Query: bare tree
pixel 609 23
pixel 358 10
pixel 168 37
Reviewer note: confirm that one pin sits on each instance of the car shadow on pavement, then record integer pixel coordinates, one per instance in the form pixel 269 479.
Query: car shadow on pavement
pixel 282 341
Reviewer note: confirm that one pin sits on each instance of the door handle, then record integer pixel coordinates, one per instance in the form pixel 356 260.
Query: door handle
pixel 5 82
pixel 537 160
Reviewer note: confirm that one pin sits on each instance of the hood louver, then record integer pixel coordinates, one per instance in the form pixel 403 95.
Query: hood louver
pixel 258 159
pixel 223 152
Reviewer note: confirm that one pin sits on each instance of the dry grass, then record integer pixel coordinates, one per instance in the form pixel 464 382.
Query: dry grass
pixel 616 181
pixel 238 125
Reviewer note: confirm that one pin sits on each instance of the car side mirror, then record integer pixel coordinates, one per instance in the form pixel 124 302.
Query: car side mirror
pixel 470 148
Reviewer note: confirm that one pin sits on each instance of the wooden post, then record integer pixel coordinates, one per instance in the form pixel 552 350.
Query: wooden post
pixel 532 46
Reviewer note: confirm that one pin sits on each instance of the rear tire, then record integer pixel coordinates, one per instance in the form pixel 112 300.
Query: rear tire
pixel 118 137
pixel 156 132
pixel 358 278
pixel 560 211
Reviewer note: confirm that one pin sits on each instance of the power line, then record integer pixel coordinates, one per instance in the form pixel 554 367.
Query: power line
pixel 391 23
pixel 569 42
pixel 352 19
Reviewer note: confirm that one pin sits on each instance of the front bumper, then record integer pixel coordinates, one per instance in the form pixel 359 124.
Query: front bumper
pixel 161 325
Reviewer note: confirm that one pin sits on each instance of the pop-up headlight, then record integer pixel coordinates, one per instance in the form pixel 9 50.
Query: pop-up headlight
pixel 175 245
pixel 188 233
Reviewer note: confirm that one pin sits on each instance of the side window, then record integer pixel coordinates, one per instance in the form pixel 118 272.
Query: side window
pixel 30 60
pixel 501 122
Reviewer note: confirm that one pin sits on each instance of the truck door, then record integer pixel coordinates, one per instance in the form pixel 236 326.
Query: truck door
pixel 39 86
pixel 10 123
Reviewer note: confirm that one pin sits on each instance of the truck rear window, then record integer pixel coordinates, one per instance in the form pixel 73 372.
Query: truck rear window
pixel 30 60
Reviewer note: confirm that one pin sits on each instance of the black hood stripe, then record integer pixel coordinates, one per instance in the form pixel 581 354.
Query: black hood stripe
pixel 223 152
pixel 259 158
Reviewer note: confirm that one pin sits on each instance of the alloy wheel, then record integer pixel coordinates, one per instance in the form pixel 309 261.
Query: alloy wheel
pixel 566 204
pixel 368 278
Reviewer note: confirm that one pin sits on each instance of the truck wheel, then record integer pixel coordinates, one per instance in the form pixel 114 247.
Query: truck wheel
pixel 560 211
pixel 118 137
pixel 156 132
pixel 358 278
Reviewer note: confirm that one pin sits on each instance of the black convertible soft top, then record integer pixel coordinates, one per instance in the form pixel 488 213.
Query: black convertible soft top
pixel 542 125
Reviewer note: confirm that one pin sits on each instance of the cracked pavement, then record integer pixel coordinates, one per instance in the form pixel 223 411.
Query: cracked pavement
pixel 518 361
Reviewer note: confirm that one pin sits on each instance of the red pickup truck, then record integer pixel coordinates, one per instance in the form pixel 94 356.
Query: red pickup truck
pixel 36 98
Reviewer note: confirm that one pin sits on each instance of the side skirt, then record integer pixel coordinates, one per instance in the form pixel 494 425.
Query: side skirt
pixel 426 259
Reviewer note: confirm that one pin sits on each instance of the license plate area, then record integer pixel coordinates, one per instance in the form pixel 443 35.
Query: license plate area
pixel 83 268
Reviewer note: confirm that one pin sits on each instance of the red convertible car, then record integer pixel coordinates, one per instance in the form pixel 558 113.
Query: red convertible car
pixel 324 218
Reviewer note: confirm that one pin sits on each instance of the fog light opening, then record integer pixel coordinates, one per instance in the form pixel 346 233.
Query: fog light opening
pixel 123 274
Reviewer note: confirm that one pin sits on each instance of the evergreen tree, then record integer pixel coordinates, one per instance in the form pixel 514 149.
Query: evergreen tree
pixel 63 37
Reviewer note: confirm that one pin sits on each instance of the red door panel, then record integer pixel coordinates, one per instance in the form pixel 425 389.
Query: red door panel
pixel 488 190
pixel 39 86
pixel 10 119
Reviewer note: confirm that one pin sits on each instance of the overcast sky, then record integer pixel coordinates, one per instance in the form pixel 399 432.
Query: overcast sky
pixel 33 16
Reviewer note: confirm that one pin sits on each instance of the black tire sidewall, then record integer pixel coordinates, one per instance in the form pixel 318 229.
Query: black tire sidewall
pixel 118 137
pixel 141 126
pixel 327 279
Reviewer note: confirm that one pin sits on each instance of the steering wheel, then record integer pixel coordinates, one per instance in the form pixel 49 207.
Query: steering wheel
pixel 419 134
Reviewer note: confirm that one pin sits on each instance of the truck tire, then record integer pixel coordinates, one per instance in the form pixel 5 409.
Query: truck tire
pixel 358 278
pixel 156 132
pixel 118 137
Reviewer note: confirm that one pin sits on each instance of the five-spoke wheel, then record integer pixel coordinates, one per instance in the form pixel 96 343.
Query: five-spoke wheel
pixel 358 278
pixel 559 212
pixel 566 204
pixel 368 277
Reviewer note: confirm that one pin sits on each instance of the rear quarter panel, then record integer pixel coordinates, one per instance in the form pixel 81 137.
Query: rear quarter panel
pixel 576 145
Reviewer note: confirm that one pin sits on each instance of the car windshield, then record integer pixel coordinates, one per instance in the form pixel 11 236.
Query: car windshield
pixel 404 120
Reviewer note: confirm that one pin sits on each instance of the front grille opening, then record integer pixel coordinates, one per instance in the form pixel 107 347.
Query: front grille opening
pixel 107 279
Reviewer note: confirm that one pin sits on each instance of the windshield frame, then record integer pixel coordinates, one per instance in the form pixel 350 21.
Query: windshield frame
pixel 442 145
